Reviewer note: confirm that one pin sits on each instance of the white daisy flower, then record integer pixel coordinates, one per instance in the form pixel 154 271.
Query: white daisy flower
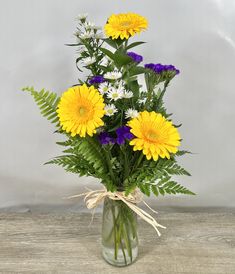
pixel 104 62
pixel 114 94
pixel 77 33
pixel 128 94
pixel 89 25
pixel 88 61
pixel 86 35
pixel 82 16
pixel 142 101
pixel 110 109
pixel 131 113
pixel 120 86
pixel 98 35
pixel 103 88
pixel 113 75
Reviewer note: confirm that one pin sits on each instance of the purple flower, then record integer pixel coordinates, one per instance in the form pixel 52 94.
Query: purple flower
pixel 159 68
pixel 106 139
pixel 150 66
pixel 135 57
pixel 123 133
pixel 96 79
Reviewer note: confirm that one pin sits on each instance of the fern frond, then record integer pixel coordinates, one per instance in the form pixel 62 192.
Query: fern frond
pixel 47 103
pixel 74 164
pixel 171 167
pixel 170 187
pixel 182 152
pixel 91 150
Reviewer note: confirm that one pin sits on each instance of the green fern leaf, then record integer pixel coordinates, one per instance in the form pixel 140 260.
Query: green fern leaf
pixel 47 103
pixel 182 152
pixel 74 164
pixel 91 150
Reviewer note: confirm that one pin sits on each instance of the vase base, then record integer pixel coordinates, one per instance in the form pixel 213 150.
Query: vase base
pixel 119 260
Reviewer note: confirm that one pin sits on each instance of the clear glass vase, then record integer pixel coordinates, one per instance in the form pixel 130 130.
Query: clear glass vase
pixel 119 233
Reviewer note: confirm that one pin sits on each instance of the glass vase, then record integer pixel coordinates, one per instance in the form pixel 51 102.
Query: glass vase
pixel 119 233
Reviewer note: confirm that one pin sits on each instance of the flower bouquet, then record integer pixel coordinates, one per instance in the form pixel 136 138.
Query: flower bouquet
pixel 117 129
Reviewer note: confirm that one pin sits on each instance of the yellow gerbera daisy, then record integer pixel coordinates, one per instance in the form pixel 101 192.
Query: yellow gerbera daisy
pixel 125 25
pixel 154 135
pixel 80 110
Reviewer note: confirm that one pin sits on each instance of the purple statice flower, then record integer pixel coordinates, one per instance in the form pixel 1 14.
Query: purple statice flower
pixel 135 57
pixel 123 133
pixel 106 139
pixel 159 68
pixel 150 66
pixel 98 79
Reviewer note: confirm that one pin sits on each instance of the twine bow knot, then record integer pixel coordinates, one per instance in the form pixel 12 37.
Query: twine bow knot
pixel 94 197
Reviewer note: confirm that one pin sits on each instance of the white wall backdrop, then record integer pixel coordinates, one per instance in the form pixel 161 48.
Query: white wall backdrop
pixel 196 36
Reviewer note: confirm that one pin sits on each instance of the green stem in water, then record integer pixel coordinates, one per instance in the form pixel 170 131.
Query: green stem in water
pixel 115 233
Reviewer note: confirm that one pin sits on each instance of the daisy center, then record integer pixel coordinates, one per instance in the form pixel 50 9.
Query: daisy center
pixel 125 24
pixel 82 111
pixel 115 95
pixel 152 135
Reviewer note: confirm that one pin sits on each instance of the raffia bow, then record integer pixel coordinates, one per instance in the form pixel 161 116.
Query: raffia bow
pixel 94 197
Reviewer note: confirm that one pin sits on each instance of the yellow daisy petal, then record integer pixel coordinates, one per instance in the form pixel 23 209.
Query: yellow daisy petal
pixel 125 25
pixel 155 136
pixel 80 110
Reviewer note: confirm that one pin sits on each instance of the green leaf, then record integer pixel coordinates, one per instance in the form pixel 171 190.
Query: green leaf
pixel 136 70
pixel 47 103
pixel 182 152
pixel 73 45
pixel 77 61
pixel 134 45
pixel 73 163
pixel 171 167
pixel 121 59
pixel 92 152
pixel 145 188
pixel 155 190
pixel 111 43
pixel 134 87
pixel 108 53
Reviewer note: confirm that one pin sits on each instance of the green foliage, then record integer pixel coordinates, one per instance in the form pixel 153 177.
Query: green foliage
pixel 117 166
pixel 170 167
pixel 91 150
pixel 156 177
pixel 86 157
pixel 169 187
pixel 114 43
pixel 134 45
pixel 74 163
pixel 182 152
pixel 47 103
pixel 119 58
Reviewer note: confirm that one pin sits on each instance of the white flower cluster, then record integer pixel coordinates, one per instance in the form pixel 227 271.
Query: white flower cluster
pixel 88 61
pixel 115 91
pixel 90 30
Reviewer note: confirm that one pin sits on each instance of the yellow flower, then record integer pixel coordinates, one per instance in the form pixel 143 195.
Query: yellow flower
pixel 80 110
pixel 125 25
pixel 154 135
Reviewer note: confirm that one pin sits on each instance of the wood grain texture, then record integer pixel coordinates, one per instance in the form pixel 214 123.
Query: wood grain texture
pixel 195 241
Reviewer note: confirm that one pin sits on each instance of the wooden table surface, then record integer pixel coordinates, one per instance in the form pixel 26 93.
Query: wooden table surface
pixel 197 240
